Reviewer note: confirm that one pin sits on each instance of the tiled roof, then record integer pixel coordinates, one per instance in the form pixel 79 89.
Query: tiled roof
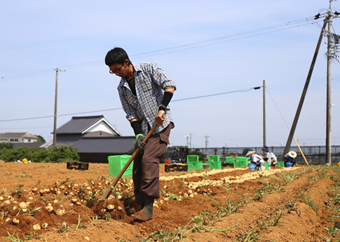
pixel 78 124
pixel 109 145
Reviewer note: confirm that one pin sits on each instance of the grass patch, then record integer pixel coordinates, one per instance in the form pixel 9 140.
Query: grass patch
pixel 181 233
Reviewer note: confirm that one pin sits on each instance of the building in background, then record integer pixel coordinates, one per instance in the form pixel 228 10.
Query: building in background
pixel 93 137
pixel 18 137
pixel 83 126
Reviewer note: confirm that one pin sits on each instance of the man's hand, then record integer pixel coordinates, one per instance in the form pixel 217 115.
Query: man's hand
pixel 159 117
pixel 139 141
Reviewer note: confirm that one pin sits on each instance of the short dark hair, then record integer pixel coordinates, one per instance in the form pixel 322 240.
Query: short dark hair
pixel 116 55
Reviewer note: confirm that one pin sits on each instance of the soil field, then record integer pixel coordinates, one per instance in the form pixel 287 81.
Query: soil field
pixel 47 202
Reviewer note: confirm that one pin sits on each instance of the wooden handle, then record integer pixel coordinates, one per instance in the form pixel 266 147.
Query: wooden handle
pixel 115 181
pixel 301 152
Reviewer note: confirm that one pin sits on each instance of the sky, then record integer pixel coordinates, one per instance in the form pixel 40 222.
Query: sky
pixel 205 47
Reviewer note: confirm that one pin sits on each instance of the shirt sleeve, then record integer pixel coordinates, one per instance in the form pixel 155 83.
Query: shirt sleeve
pixel 130 112
pixel 160 77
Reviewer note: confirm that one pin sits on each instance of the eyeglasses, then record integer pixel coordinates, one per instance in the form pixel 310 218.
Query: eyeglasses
pixel 117 69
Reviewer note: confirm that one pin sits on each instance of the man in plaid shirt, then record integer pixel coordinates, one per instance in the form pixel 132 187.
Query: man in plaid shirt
pixel 145 91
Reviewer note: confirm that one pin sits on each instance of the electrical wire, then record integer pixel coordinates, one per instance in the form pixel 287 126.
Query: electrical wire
pixel 112 109
pixel 199 44
pixel 277 107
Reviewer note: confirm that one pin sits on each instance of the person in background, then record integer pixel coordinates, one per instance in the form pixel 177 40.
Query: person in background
pixel 256 161
pixel 269 157
pixel 290 158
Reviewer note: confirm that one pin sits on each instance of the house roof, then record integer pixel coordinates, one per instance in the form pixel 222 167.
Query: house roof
pixel 109 145
pixel 19 135
pixel 29 145
pixel 81 124
pixel 49 144
pixel 99 134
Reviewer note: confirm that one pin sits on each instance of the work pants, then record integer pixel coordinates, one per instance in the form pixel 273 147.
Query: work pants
pixel 146 166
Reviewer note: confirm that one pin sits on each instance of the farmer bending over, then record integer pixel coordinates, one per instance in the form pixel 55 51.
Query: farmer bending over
pixel 290 158
pixel 256 161
pixel 145 91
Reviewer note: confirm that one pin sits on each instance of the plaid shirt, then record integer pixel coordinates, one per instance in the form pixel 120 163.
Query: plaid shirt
pixel 150 81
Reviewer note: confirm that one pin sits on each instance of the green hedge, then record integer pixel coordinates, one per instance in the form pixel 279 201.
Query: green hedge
pixel 65 153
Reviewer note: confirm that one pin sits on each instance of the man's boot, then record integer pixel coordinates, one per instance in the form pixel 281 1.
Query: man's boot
pixel 147 212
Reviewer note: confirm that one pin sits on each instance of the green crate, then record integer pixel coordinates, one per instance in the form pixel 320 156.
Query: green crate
pixel 241 161
pixel 116 164
pixel 214 162
pixel 215 165
pixel 280 164
pixel 266 165
pixel 195 165
pixel 192 158
pixel 229 159
pixel 213 158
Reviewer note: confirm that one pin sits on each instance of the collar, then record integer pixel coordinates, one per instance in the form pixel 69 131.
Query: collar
pixel 124 82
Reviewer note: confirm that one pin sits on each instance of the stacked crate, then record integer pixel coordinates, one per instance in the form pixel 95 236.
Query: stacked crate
pixel 214 162
pixel 194 163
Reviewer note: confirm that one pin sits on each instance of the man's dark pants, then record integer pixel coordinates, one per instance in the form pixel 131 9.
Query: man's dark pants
pixel 146 166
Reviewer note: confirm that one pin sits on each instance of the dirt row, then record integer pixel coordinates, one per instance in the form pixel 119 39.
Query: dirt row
pixel 287 204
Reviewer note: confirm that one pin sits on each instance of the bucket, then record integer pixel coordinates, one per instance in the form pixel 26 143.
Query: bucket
pixel 252 166
pixel 288 164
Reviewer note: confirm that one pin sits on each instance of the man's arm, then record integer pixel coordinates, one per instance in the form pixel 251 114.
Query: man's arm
pixel 168 92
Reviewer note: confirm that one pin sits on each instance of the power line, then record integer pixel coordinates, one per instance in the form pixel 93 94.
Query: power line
pixel 198 44
pixel 111 109
pixel 277 108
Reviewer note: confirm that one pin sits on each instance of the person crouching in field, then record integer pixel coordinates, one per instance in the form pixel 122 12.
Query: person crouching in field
pixel 269 157
pixel 290 158
pixel 256 161
pixel 145 91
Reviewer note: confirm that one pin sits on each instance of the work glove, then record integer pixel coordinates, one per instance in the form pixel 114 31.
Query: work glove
pixel 139 142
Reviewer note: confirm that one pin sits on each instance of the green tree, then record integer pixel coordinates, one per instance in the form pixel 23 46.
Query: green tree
pixel 41 139
pixel 6 146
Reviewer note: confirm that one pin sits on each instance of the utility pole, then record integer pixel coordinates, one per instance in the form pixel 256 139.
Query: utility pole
pixel 206 142
pixel 187 136
pixel 264 113
pixel 298 111
pixel 55 107
pixel 328 102
pixel 190 140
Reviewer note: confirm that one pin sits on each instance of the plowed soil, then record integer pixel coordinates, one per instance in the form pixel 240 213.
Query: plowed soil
pixel 47 202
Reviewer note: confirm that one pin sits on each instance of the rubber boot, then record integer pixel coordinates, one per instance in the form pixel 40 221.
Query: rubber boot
pixel 147 212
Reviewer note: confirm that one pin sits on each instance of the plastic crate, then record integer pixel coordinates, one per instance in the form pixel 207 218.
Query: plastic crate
pixel 182 167
pixel 192 158
pixel 195 165
pixel 116 164
pixel 230 160
pixel 214 162
pixel 175 167
pixel 280 164
pixel 77 166
pixel 83 166
pixel 266 165
pixel 213 158
pixel 72 165
pixel 241 161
